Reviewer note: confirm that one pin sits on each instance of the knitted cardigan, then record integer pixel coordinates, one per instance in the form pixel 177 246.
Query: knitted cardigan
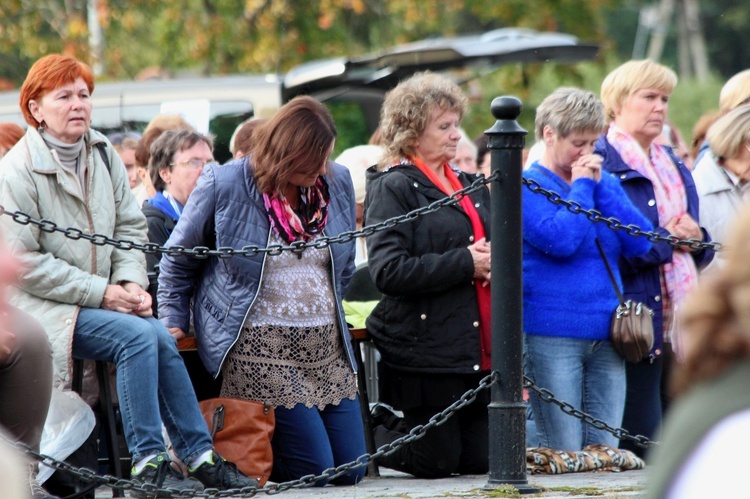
pixel 567 291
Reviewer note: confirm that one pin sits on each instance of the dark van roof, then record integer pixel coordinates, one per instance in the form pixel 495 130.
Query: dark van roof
pixel 385 69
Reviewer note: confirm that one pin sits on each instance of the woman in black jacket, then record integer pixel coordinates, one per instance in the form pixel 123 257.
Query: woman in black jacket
pixel 432 325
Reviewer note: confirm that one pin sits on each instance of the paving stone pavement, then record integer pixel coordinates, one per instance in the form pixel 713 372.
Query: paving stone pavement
pixel 394 485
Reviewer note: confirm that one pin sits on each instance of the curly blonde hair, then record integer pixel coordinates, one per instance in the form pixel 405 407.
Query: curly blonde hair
pixel 716 318
pixel 407 109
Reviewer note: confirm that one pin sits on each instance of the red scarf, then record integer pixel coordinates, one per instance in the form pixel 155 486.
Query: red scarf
pixel 483 292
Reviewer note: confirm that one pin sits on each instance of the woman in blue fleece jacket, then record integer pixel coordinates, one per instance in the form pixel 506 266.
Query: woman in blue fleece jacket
pixel 568 296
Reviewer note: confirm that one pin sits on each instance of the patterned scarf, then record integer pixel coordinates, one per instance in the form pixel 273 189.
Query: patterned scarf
pixel 483 292
pixel 671 201
pixel 305 223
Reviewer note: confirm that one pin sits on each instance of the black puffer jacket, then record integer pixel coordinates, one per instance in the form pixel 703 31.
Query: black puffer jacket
pixel 428 319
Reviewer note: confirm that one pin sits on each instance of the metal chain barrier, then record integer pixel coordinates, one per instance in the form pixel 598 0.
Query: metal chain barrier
pixel 202 252
pixel 88 476
pixel 621 433
pixel 416 433
pixel 613 223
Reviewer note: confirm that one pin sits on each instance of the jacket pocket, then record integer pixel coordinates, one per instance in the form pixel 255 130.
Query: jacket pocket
pixel 217 311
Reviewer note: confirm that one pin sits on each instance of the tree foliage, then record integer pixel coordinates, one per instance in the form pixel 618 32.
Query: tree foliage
pixel 227 36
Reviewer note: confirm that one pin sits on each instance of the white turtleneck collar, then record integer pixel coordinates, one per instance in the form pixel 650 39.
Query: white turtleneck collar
pixel 68 154
pixel 72 157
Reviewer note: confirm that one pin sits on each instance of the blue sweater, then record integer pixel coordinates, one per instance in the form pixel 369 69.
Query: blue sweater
pixel 567 291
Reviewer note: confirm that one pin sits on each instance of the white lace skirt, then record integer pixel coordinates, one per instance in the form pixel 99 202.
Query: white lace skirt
pixel 288 365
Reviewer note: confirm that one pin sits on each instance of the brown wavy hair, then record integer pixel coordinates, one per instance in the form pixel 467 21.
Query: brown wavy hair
pixel 407 108
pixel 716 316
pixel 297 139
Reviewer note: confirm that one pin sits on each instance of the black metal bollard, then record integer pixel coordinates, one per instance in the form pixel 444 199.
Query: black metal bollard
pixel 507 411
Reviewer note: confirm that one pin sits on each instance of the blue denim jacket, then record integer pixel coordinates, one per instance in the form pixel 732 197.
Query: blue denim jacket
pixel 226 210
pixel 640 275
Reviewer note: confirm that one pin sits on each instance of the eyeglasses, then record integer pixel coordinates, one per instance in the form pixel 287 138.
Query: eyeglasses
pixel 193 164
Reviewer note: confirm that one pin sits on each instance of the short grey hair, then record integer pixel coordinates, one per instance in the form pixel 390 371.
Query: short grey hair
pixel 568 110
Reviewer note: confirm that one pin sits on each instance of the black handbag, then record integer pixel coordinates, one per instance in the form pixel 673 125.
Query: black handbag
pixel 632 328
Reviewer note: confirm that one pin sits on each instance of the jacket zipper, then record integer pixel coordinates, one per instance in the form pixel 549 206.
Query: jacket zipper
pixel 255 297
pixel 342 327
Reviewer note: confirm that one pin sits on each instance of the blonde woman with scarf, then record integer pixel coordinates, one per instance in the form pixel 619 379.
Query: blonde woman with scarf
pixel 636 97
pixel 432 325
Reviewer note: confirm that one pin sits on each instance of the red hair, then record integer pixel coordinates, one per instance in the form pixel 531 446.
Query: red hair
pixel 10 133
pixel 48 73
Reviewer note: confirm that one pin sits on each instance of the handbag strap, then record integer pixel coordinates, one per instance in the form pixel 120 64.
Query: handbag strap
pixel 609 271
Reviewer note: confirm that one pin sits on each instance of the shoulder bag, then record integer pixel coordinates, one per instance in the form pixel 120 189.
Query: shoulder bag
pixel 632 327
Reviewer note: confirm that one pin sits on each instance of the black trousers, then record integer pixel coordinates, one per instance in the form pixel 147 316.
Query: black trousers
pixel 643 402
pixel 458 446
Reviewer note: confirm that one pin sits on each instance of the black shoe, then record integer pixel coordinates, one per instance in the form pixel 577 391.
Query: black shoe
pixel 221 474
pixel 383 415
pixel 159 473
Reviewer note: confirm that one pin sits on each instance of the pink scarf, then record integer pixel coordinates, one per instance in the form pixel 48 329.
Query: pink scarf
pixel 306 222
pixel 483 292
pixel 671 201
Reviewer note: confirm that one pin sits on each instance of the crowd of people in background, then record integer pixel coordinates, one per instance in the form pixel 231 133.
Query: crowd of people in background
pixel 275 329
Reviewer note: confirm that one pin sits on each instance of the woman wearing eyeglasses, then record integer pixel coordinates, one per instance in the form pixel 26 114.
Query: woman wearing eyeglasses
pixel 177 160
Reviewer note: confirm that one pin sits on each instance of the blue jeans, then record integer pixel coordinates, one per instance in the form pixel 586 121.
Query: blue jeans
pixel 307 441
pixel 590 375
pixel 152 383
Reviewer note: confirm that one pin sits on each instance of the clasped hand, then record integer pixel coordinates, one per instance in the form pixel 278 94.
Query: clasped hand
pixel 588 166
pixel 685 227
pixel 480 254
pixel 128 298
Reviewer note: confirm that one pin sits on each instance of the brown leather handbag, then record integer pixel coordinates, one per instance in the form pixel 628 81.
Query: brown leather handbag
pixel 632 327
pixel 242 431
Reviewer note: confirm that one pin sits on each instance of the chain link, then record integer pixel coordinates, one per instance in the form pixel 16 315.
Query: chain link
pixel 614 224
pixel 621 433
pixel 203 252
pixel 88 476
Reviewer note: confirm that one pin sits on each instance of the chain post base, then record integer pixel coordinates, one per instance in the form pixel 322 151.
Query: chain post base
pixel 522 488
pixel 509 420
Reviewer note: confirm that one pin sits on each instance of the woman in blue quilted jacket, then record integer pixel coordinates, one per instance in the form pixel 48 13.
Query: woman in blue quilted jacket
pixel 273 325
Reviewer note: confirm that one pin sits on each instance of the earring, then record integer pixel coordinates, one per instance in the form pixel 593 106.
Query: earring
pixel 40 128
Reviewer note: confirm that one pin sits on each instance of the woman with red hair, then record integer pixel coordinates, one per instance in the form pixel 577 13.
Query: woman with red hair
pixel 91 299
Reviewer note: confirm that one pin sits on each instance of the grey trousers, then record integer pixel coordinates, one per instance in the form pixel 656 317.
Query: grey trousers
pixel 25 379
